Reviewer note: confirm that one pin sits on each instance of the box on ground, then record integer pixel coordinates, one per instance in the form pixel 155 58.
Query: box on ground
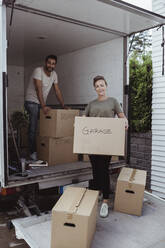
pixel 58 123
pixel 98 135
pixel 74 219
pixel 130 191
pixel 56 150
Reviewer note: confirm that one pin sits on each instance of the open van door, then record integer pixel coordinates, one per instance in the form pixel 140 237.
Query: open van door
pixel 3 98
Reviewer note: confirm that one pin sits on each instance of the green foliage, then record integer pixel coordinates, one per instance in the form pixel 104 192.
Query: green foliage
pixel 141 92
pixel 140 43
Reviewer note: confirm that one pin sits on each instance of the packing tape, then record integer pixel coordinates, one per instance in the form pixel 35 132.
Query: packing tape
pixel 132 178
pixel 78 198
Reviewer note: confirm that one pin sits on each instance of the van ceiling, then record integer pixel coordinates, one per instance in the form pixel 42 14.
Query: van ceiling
pixel 41 27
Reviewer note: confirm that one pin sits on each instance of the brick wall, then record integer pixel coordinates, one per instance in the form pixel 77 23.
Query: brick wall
pixel 140 153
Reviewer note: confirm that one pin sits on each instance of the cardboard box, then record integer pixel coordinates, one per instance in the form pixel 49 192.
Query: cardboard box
pixel 56 150
pixel 74 218
pixel 98 135
pixel 114 158
pixel 130 191
pixel 58 123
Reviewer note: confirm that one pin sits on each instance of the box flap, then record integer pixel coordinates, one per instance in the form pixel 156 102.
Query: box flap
pixel 133 176
pixel 70 200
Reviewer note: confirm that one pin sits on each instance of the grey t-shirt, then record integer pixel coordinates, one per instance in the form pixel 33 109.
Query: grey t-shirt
pixel 106 108
pixel 47 82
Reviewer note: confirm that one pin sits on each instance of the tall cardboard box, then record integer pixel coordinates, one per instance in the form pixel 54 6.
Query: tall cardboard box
pixel 98 135
pixel 56 150
pixel 74 219
pixel 130 191
pixel 58 123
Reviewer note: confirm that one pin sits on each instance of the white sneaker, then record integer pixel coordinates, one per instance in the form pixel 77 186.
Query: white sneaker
pixel 33 156
pixel 104 210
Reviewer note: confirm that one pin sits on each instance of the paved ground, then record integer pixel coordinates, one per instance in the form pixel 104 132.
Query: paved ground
pixel 8 212
pixel 7 237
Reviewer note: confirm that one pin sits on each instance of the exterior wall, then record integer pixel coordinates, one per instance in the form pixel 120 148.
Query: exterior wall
pixel 158 106
pixel 140 156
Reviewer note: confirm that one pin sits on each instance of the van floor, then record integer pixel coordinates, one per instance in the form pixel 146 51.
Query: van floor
pixel 118 230
pixel 72 170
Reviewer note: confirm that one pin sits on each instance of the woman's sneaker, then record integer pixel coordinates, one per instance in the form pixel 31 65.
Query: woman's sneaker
pixel 104 210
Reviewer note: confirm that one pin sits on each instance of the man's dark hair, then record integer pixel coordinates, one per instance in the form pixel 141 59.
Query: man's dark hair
pixel 51 56
pixel 99 78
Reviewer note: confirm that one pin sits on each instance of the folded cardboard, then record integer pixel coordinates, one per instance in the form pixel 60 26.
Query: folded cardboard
pixel 130 191
pixel 56 150
pixel 57 123
pixel 74 219
pixel 98 135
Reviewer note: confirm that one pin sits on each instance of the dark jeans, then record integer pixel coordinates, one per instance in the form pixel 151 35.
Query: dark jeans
pixel 100 169
pixel 33 110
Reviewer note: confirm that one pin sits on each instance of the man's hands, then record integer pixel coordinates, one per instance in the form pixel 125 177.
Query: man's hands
pixel 46 109
pixel 66 107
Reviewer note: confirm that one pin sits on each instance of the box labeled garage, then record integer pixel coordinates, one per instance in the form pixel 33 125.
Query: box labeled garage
pixel 98 135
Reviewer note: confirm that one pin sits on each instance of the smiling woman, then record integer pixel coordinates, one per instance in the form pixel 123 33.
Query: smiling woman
pixel 103 106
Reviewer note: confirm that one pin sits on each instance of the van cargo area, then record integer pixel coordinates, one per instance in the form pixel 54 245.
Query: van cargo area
pixel 83 52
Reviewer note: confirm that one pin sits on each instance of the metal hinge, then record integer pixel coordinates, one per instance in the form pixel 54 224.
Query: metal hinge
pixel 5 79
pixel 126 89
pixel 8 2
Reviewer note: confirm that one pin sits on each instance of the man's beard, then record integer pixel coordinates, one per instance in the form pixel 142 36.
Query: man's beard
pixel 49 69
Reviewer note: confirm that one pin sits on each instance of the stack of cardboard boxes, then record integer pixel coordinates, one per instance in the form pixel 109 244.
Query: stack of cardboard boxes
pixel 55 141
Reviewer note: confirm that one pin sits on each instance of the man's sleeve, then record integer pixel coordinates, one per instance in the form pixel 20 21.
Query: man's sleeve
pixel 118 108
pixel 37 74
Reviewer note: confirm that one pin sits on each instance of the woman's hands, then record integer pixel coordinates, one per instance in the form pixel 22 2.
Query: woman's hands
pixel 122 115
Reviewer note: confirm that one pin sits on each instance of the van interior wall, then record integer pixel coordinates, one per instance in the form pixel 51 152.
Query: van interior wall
pixel 75 72
pixel 15 88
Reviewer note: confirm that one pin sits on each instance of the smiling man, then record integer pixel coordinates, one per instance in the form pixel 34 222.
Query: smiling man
pixel 41 81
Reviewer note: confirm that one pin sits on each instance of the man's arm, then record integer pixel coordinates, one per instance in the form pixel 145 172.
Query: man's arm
pixel 59 95
pixel 122 115
pixel 38 88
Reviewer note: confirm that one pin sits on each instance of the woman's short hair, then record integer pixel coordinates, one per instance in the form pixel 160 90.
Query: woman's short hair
pixel 97 78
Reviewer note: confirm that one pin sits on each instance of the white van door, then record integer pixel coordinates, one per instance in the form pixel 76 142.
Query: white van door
pixel 3 98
